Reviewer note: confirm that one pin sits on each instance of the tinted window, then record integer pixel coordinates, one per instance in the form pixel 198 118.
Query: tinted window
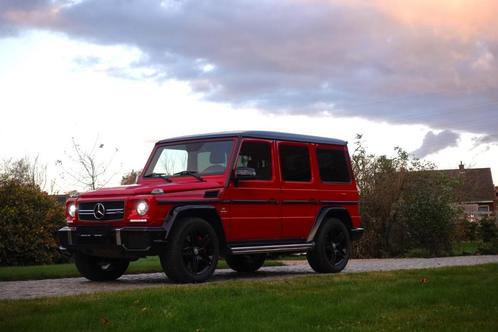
pixel 295 163
pixel 333 165
pixel 256 155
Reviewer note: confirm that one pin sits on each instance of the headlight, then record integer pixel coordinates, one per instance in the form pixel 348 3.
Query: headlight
pixel 142 208
pixel 71 209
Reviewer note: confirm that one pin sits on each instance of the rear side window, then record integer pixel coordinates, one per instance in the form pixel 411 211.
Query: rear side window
pixel 256 155
pixel 295 163
pixel 333 165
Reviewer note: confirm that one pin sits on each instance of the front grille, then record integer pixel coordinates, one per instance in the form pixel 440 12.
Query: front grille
pixel 101 211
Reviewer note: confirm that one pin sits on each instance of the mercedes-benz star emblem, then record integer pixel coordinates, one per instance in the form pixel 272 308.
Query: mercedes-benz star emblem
pixel 99 211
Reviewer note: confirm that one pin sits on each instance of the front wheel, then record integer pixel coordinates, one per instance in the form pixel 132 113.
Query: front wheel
pixel 245 263
pixel 192 252
pixel 100 269
pixel 332 248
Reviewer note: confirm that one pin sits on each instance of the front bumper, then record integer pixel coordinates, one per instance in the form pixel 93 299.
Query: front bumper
pixel 129 242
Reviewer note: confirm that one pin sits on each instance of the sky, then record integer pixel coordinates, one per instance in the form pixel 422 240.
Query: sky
pixel 418 74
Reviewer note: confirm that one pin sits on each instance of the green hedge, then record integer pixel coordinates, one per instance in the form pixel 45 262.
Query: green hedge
pixel 29 219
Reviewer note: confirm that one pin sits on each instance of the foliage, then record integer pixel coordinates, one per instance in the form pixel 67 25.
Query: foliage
pixel 130 178
pixel 427 213
pixel 28 218
pixel 470 230
pixel 403 205
pixel 487 230
pixel 488 234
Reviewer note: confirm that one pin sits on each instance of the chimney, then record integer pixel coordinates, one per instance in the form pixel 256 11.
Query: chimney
pixel 461 167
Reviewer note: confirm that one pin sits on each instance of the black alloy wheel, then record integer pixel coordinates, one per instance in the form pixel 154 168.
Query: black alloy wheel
pixel 192 251
pixel 336 246
pixel 332 248
pixel 198 251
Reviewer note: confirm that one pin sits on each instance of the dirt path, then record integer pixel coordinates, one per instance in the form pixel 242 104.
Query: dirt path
pixel 74 286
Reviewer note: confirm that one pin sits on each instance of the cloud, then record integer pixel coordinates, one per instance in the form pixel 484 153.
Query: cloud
pixel 486 140
pixel 377 59
pixel 436 142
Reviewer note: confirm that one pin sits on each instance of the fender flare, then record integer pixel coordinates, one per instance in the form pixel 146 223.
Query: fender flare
pixel 321 218
pixel 172 216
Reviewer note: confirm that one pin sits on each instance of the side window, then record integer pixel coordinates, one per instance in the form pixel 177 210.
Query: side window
pixel 295 163
pixel 256 155
pixel 212 157
pixel 333 165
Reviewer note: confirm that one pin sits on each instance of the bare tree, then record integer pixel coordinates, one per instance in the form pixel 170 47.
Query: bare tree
pixel 90 168
pixel 27 170
pixel 38 172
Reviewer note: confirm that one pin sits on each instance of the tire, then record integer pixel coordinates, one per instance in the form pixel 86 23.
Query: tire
pixel 100 269
pixel 245 263
pixel 332 248
pixel 192 252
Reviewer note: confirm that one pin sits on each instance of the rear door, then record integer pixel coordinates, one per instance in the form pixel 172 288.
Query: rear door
pixel 336 186
pixel 298 184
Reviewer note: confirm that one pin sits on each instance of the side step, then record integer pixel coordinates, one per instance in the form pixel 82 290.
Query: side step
pixel 297 247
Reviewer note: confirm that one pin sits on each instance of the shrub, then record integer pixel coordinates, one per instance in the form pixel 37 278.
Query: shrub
pixel 404 208
pixel 426 211
pixel 487 230
pixel 470 230
pixel 29 219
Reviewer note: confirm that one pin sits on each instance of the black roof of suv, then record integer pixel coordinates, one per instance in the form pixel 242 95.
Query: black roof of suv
pixel 259 134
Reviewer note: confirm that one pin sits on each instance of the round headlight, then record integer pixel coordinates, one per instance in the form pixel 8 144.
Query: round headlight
pixel 71 209
pixel 142 208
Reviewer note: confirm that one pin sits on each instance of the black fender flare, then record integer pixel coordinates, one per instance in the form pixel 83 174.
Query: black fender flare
pixel 175 212
pixel 321 218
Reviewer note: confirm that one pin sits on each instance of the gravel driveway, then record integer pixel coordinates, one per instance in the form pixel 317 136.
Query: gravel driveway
pixel 74 286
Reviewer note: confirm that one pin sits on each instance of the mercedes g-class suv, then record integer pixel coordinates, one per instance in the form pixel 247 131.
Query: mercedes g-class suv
pixel 237 195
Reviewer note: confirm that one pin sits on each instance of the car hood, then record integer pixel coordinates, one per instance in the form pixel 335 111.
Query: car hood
pixel 146 188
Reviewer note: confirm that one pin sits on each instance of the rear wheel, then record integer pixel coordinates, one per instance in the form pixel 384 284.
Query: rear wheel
pixel 332 248
pixel 100 269
pixel 192 252
pixel 245 263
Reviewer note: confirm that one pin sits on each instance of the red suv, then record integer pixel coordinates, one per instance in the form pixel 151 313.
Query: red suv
pixel 239 195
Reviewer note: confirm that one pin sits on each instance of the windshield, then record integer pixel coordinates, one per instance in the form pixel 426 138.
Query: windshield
pixel 199 157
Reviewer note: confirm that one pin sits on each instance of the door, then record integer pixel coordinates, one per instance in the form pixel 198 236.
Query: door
pixel 298 195
pixel 254 211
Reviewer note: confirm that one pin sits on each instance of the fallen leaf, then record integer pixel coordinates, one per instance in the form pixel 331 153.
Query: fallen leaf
pixel 424 280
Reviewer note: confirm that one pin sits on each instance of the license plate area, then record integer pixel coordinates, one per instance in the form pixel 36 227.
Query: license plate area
pixel 94 236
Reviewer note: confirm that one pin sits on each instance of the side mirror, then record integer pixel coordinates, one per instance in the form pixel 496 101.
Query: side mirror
pixel 244 173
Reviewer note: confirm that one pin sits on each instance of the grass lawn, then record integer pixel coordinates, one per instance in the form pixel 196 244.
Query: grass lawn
pixel 144 265
pixel 466 248
pixel 446 299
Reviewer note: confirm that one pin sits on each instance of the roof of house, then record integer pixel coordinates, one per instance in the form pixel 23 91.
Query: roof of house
pixel 259 134
pixel 477 183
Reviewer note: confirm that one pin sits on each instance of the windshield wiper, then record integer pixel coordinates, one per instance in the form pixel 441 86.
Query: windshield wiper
pixel 163 176
pixel 190 173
